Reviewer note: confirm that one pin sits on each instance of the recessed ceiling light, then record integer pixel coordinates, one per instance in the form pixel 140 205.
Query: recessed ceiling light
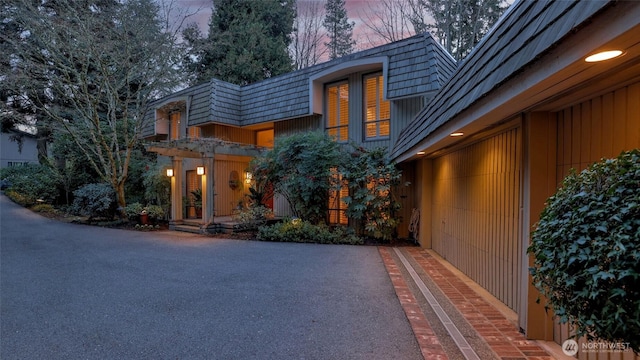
pixel 455 134
pixel 421 153
pixel 603 55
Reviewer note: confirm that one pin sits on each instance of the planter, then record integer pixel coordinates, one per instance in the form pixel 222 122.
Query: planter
pixel 144 219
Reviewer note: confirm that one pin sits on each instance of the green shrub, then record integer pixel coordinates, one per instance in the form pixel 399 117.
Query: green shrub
pixel 253 217
pixel 17 197
pixel 95 200
pixel 155 211
pixel 44 208
pixel 305 232
pixel 133 210
pixel 586 250
pixel 32 182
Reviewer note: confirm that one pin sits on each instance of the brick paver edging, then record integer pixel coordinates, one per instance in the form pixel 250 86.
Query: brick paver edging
pixel 427 340
pixel 494 328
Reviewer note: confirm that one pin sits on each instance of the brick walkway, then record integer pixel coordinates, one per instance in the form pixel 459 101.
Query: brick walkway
pixel 500 334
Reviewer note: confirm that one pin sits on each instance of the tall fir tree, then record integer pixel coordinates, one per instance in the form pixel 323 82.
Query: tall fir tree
pixel 457 24
pixel 339 29
pixel 247 42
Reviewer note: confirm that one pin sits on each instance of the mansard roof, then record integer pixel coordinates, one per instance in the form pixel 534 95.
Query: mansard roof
pixel 414 66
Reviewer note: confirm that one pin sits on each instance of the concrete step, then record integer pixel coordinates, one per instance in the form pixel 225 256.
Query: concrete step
pixel 188 228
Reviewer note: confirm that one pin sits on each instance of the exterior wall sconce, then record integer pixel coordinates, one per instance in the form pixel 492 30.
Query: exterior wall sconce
pixel 170 172
pixel 200 170
pixel 247 177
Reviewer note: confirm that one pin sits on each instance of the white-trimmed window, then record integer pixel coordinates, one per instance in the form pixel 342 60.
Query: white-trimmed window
pixel 377 111
pixel 337 111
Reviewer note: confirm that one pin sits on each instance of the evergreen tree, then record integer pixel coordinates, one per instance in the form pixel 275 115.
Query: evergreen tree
pixel 457 24
pixel 248 41
pixel 340 30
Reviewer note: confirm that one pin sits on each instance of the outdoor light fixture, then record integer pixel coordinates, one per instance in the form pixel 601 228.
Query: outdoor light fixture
pixel 421 153
pixel 247 177
pixel 456 134
pixel 603 55
pixel 200 170
pixel 169 172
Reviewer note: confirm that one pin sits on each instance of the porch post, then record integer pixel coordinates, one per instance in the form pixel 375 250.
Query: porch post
pixel 540 147
pixel 176 192
pixel 208 191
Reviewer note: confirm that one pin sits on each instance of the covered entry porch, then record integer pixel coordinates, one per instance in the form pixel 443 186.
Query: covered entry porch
pixel 215 169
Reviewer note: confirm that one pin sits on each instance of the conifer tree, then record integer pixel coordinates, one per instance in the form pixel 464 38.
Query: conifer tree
pixel 457 24
pixel 248 41
pixel 339 29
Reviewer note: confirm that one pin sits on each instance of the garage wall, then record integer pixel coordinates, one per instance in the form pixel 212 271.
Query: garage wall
pixel 600 127
pixel 476 217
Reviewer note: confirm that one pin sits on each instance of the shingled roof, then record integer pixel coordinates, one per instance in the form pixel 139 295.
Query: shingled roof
pixel 416 66
pixel 525 32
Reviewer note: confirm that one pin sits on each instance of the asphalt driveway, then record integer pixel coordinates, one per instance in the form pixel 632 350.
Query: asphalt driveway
pixel 79 292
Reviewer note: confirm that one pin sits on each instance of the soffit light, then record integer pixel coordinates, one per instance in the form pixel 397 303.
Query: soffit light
pixel 421 153
pixel 603 55
pixel 456 134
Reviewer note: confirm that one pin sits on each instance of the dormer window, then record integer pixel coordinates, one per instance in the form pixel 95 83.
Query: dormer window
pixel 377 110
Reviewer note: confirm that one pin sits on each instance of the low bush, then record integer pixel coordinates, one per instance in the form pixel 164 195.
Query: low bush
pixel 253 217
pixel 133 210
pixel 305 232
pixel 31 183
pixel 44 208
pixel 95 200
pixel 155 212
pixel 586 250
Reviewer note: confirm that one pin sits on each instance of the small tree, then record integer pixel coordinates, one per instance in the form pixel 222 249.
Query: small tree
pixel 586 250
pixel 372 179
pixel 90 69
pixel 299 167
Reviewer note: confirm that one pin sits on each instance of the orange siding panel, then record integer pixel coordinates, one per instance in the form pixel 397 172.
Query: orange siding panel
pixel 476 201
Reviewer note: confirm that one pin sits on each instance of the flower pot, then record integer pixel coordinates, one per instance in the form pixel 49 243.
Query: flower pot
pixel 144 219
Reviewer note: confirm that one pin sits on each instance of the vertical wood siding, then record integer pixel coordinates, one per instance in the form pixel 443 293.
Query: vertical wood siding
pixel 476 217
pixel 601 127
pixel 227 199
pixel 229 133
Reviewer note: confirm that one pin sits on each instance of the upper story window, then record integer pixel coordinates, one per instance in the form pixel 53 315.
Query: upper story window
pixel 376 110
pixel 337 114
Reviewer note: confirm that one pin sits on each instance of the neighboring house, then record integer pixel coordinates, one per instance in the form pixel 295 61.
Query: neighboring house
pixel 528 108
pixel 18 153
pixel 367 97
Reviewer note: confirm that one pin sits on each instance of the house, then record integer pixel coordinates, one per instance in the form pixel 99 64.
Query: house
pixel 496 141
pixel 18 153
pixel 208 133
pixel 483 143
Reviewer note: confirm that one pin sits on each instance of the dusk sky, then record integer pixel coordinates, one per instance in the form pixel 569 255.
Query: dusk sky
pixel 356 9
